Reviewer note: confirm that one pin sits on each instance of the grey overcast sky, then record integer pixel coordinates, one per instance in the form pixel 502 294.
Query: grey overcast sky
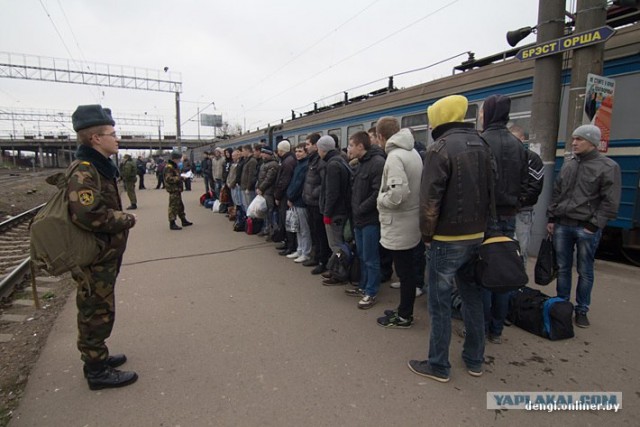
pixel 256 60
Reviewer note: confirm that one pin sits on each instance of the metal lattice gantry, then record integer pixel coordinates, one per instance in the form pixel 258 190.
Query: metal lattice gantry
pixel 31 67
pixel 52 121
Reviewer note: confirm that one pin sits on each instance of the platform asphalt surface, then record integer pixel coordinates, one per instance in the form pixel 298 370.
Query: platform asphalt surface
pixel 224 332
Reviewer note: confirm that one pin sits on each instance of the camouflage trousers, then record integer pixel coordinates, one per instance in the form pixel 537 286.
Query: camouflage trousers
pixel 96 309
pixel 176 207
pixel 130 188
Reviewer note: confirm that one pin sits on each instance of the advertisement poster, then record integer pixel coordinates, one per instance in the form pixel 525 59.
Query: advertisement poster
pixel 598 106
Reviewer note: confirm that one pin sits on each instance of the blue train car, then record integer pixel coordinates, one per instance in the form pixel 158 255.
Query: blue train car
pixel 508 77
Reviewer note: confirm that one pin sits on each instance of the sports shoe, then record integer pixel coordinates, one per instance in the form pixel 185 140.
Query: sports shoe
pixel 390 313
pixel 422 368
pixel 301 258
pixel 293 255
pixel 495 339
pixel 310 263
pixel 320 268
pixel 357 292
pixel 367 302
pixel 474 372
pixel 419 292
pixel 394 321
pixel 395 285
pixel 333 282
pixel 582 321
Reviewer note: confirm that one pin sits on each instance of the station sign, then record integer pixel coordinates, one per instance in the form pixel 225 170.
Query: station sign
pixel 573 41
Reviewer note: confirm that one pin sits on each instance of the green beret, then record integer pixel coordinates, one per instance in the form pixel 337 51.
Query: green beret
pixel 87 116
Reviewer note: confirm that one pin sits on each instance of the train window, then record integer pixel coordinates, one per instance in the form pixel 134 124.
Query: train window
pixel 472 113
pixel 521 104
pixel 353 129
pixel 302 138
pixel 337 132
pixel 415 120
pixel 421 135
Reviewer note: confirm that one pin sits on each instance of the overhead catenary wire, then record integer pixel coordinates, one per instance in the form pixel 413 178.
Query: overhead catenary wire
pixel 307 49
pixel 430 14
pixel 55 27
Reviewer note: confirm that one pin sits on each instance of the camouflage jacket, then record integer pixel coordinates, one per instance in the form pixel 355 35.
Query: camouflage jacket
pixel 172 179
pixel 94 202
pixel 129 171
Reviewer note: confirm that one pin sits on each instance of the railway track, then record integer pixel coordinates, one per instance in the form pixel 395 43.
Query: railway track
pixel 14 250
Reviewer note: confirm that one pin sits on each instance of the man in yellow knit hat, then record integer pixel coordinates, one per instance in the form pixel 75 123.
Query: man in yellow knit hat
pixel 454 207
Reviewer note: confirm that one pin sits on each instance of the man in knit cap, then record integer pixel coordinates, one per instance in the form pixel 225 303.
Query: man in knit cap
pixel 586 194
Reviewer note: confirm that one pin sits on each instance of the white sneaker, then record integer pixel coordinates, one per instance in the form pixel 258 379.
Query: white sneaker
pixel 395 285
pixel 293 255
pixel 419 292
pixel 301 258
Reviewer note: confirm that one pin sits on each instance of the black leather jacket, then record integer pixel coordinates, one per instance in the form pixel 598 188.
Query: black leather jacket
pixel 456 181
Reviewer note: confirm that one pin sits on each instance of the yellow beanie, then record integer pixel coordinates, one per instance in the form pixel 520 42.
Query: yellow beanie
pixel 446 110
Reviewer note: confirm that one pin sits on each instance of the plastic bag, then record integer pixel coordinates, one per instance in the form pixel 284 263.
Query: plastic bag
pixel 216 206
pixel 257 208
pixel 292 221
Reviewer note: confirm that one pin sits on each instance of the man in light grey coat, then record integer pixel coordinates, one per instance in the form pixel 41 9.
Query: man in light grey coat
pixel 398 205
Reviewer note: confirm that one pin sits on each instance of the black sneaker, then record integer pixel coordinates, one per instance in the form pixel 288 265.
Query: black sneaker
pixel 319 269
pixel 108 377
pixel 582 321
pixel 494 339
pixel 390 313
pixel 310 263
pixel 395 322
pixel 422 368
pixel 354 292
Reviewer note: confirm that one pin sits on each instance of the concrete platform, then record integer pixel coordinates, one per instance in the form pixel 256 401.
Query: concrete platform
pixel 224 332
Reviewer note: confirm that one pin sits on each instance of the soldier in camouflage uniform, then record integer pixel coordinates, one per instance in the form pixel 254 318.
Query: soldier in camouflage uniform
pixel 129 173
pixel 173 185
pixel 94 205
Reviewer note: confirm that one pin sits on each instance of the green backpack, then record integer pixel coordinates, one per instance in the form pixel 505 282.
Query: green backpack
pixel 57 244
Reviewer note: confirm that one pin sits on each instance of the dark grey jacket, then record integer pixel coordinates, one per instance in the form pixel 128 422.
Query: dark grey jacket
pixel 365 187
pixel 313 181
pixel 587 190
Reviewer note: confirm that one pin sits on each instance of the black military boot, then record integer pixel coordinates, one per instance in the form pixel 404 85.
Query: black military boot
pixel 185 223
pixel 174 226
pixel 112 361
pixel 100 375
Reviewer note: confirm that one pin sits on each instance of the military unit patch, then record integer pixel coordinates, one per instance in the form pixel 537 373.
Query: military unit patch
pixel 86 197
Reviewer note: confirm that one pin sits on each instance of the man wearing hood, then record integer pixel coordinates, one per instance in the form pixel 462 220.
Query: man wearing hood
pixel 398 205
pixel 454 208
pixel 366 224
pixel 511 185
pixel 95 206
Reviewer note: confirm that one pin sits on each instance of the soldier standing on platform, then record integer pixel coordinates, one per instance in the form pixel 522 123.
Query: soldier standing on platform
pixel 95 206
pixel 173 185
pixel 128 171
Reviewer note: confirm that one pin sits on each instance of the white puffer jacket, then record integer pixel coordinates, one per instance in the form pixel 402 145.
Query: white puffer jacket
pixel 399 196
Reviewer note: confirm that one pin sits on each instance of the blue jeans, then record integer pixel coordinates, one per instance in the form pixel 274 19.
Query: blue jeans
pixel 564 239
pixel 447 264
pixel 367 239
pixel 496 305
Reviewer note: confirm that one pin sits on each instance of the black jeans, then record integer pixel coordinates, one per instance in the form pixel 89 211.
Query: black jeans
pixel 404 262
pixel 319 243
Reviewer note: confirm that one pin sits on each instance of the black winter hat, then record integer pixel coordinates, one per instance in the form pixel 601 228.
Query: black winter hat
pixel 87 116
